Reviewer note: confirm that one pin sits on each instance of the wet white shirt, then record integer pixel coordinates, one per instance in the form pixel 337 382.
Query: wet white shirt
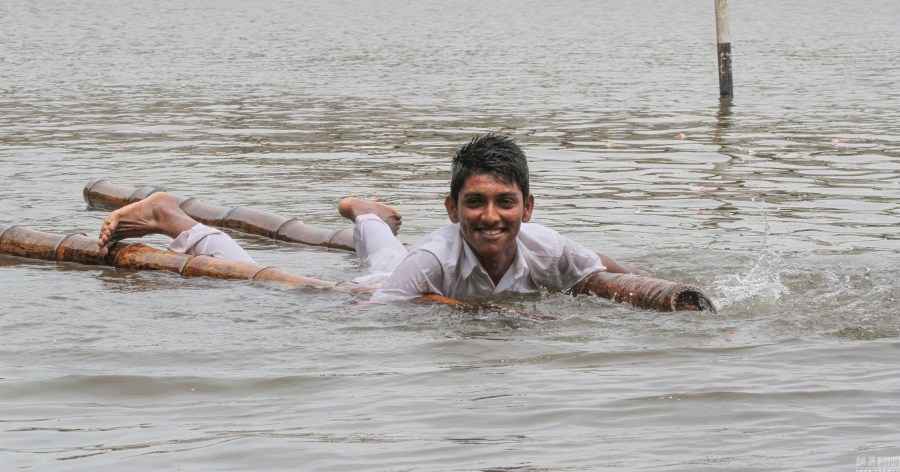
pixel 444 264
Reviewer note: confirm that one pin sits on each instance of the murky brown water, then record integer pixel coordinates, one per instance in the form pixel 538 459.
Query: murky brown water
pixel 784 205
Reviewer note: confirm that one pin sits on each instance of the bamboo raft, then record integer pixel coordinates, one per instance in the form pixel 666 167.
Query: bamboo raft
pixel 642 292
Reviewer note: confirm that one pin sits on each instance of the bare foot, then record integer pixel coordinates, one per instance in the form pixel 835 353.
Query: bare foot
pixel 351 207
pixel 158 213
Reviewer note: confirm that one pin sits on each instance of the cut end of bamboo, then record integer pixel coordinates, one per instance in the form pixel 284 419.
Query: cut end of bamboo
pixel 105 195
pixel 692 299
pixel 645 292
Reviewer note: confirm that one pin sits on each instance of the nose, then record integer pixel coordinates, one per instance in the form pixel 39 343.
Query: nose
pixel 490 216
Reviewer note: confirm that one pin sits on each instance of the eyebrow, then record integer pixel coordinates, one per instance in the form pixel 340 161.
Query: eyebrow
pixel 472 193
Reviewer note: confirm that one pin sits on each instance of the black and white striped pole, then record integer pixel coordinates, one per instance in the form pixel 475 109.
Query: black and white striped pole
pixel 723 38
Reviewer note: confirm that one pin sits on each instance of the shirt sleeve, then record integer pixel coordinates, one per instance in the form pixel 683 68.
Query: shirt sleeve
pixel 420 273
pixel 576 262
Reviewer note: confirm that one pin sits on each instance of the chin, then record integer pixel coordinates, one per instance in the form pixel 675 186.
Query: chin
pixel 490 250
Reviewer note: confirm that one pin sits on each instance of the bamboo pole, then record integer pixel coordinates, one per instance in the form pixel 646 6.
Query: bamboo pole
pixel 642 292
pixel 101 193
pixel 723 48
pixel 78 248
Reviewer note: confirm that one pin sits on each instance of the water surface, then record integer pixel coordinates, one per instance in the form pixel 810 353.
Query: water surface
pixel 783 204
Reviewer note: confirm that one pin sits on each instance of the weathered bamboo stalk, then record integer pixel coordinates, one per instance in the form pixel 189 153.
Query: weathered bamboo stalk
pixel 78 248
pixel 645 292
pixel 24 242
pixel 101 193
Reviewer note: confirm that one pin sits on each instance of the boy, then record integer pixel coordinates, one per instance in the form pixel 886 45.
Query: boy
pixel 489 248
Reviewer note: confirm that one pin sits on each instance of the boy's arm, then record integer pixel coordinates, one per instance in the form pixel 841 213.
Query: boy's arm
pixel 619 268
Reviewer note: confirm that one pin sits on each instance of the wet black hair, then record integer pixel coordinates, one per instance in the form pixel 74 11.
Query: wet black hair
pixel 492 154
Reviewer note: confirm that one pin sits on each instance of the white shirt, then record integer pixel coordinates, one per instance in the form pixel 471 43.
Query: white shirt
pixel 444 264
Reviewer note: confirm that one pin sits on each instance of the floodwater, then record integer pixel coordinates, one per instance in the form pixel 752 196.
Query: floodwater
pixel 783 205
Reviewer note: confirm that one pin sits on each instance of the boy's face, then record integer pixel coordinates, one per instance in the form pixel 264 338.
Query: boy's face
pixel 490 213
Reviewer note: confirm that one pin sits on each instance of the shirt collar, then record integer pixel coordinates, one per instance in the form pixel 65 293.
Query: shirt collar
pixel 517 271
pixel 470 261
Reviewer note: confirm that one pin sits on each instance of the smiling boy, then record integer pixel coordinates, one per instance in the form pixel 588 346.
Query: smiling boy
pixel 489 248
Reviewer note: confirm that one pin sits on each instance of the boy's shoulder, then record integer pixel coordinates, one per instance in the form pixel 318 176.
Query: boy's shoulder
pixel 442 241
pixel 537 229
pixel 536 236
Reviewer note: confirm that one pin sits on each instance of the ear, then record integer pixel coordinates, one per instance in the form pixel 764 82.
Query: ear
pixel 450 205
pixel 529 207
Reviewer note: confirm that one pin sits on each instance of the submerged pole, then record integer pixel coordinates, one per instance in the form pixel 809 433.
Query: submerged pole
pixel 723 40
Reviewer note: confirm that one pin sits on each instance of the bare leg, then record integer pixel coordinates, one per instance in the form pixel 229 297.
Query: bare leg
pixel 157 214
pixel 352 207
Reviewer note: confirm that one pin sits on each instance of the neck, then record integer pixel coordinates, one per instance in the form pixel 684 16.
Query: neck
pixel 497 267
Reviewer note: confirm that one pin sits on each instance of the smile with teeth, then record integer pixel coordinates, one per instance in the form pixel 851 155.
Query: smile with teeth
pixel 490 231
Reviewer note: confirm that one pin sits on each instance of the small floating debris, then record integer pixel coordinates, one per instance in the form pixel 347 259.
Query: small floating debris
pixel 680 136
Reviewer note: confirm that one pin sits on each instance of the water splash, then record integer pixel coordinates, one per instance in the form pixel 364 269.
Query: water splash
pixel 761 283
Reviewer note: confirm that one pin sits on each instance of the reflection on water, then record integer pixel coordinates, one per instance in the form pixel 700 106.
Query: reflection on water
pixel 782 203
